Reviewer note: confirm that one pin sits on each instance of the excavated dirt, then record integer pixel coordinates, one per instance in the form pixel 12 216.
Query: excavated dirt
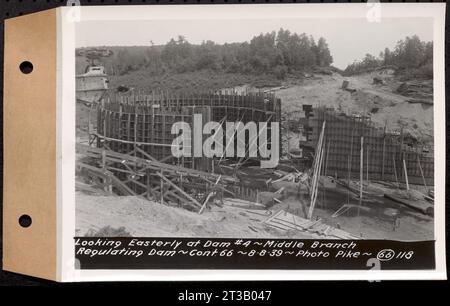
pixel 142 218
pixel 381 101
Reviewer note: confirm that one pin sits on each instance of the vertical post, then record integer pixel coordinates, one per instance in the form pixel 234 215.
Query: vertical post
pixel 161 189
pixel 421 171
pixel 348 190
pixel 89 124
pixel 119 130
pixel 288 141
pixel 316 174
pixel 163 133
pixel 367 163
pixel 105 181
pixel 128 133
pixel 361 174
pixel 135 136
pixel 406 174
pixel 326 159
pixel 350 161
pixel 135 130
pixel 149 186
pixel 395 171
pixel 104 127
pixel 325 174
pixel 382 162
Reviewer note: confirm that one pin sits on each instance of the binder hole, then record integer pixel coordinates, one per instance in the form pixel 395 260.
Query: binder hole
pixel 26 67
pixel 25 221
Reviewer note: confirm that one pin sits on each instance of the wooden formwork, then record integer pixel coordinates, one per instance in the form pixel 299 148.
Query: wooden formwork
pixel 142 175
pixel 146 120
pixel 134 139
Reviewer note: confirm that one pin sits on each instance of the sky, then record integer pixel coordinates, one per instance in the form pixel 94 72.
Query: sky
pixel 348 39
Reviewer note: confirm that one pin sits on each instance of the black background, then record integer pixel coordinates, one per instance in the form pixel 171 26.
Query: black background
pixel 423 255
pixel 296 292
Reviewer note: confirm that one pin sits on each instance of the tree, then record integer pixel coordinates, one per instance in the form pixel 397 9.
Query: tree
pixel 263 52
pixel 276 53
pixel 409 52
pixel 411 55
pixel 323 56
pixel 387 57
pixel 428 53
pixel 208 56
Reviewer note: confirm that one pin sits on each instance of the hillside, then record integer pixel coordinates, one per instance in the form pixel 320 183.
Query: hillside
pixel 386 106
pixel 395 89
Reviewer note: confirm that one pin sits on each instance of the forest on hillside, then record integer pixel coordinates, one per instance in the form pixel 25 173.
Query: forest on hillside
pixel 276 53
pixel 411 57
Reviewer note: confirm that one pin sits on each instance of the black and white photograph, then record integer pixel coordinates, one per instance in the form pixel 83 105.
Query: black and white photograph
pixel 355 116
pixel 221 143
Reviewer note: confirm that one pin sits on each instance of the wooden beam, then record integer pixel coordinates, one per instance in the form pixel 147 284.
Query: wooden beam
pixel 145 154
pixel 107 174
pixel 384 152
pixel 421 171
pixel 149 185
pixel 183 200
pixel 406 175
pixel 206 201
pixel 179 189
pixel 162 188
pixel 361 165
pixel 119 157
pixel 395 171
pixel 316 174
pixel 209 196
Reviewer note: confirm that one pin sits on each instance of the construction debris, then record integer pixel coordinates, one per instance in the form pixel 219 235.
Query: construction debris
pixel 285 221
pixel 268 198
pixel 420 90
pixel 243 204
pixel 406 198
pixel 132 158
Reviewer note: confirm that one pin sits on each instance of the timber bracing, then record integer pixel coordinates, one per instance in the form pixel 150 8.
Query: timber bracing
pixel 142 175
pixel 384 152
pixel 146 120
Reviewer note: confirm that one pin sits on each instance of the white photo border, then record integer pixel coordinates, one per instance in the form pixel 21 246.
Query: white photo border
pixel 66 135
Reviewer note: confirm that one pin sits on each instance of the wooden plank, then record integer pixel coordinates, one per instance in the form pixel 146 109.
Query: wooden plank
pixel 119 157
pixel 316 172
pixel 421 172
pixel 243 203
pixel 183 200
pixel 220 187
pixel 290 224
pixel 206 201
pixel 107 174
pixel 145 154
pixel 209 195
pixel 83 187
pixel 162 188
pixel 406 175
pixel 179 189
pixel 308 226
pixel 273 216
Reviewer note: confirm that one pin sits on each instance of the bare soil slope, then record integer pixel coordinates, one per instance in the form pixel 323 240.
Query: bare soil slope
pixel 385 105
pixel 142 218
